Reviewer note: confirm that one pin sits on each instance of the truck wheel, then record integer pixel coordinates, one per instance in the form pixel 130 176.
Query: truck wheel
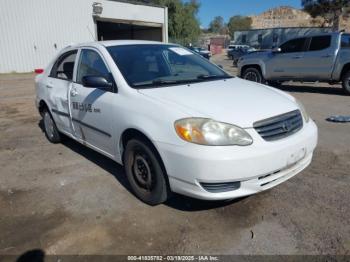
pixel 145 173
pixel 253 74
pixel 346 83
pixel 50 128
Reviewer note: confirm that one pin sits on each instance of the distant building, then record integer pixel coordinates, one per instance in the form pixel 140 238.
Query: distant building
pixel 273 37
pixel 278 25
pixel 33 31
pixel 284 16
pixel 218 43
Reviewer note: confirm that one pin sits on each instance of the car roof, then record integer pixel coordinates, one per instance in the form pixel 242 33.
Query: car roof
pixel 116 43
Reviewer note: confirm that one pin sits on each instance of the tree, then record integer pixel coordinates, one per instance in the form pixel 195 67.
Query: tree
pixel 217 25
pixel 239 23
pixel 329 10
pixel 183 25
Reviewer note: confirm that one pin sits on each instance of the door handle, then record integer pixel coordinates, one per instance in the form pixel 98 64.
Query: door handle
pixel 73 92
pixel 297 57
pixel 49 86
pixel 326 56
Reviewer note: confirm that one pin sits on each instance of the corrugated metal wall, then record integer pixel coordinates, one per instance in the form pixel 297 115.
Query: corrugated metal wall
pixel 33 31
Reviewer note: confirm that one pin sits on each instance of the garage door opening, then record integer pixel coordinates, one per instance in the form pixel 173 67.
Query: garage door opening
pixel 120 31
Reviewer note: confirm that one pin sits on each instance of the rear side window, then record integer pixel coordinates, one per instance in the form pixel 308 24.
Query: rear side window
pixel 345 41
pixel 295 45
pixel 91 64
pixel 64 66
pixel 320 43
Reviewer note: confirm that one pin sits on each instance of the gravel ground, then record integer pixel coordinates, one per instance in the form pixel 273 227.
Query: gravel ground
pixel 67 199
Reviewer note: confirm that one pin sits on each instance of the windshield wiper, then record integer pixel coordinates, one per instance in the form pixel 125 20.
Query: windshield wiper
pixel 164 82
pixel 156 82
pixel 205 77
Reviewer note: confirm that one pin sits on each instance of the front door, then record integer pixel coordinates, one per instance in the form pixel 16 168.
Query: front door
pixel 287 64
pixel 91 108
pixel 59 82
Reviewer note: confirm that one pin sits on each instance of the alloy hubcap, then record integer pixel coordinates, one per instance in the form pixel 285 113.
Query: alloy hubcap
pixel 49 128
pixel 251 76
pixel 142 172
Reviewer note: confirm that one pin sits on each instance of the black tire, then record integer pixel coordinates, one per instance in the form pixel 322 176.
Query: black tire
pixel 346 82
pixel 143 168
pixel 50 128
pixel 253 74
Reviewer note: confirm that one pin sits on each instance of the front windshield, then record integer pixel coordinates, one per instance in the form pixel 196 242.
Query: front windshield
pixel 152 65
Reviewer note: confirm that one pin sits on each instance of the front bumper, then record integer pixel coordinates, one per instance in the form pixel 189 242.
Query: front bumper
pixel 258 167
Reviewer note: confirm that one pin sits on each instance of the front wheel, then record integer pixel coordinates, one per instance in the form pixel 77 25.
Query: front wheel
pixel 346 82
pixel 253 74
pixel 145 173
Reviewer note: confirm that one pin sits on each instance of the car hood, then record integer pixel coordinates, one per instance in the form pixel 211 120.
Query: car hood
pixel 233 101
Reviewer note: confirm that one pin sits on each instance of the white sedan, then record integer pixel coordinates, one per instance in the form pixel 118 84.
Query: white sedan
pixel 177 122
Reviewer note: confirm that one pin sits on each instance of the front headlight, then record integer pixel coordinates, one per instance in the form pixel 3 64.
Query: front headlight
pixel 208 132
pixel 303 111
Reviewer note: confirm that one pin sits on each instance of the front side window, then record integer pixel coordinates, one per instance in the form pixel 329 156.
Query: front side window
pixel 64 66
pixel 293 46
pixel 345 41
pixel 320 43
pixel 160 65
pixel 91 64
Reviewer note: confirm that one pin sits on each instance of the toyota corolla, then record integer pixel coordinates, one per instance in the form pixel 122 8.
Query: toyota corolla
pixel 175 121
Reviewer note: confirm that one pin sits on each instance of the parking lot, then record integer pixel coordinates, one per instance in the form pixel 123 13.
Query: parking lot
pixel 67 199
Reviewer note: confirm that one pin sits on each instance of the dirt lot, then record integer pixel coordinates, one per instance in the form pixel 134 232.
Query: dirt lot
pixel 67 199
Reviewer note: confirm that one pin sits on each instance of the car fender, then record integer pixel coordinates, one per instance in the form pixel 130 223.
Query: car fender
pixel 153 118
pixel 252 62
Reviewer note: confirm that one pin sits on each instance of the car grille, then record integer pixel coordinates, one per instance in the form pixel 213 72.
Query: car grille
pixel 221 187
pixel 279 127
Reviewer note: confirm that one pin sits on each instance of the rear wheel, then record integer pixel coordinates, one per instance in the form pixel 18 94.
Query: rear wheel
pixel 253 74
pixel 346 82
pixel 50 128
pixel 144 171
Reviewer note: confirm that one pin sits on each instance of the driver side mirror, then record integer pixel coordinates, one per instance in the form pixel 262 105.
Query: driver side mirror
pixel 97 82
pixel 276 50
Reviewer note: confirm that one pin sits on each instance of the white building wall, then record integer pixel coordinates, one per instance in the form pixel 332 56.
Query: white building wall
pixel 33 31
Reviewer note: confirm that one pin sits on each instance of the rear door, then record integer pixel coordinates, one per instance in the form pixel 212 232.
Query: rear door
pixel 91 108
pixel 58 84
pixel 287 64
pixel 319 58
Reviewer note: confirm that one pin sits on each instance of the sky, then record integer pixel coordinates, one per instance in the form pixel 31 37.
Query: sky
pixel 227 8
